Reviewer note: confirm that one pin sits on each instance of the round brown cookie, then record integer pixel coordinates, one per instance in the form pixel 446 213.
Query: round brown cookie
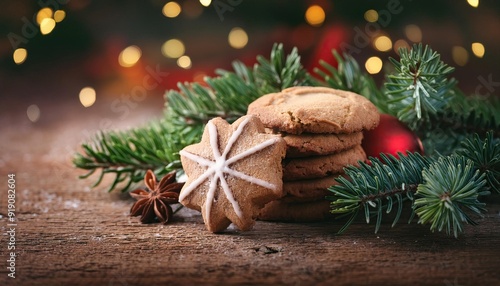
pixel 315 110
pixel 321 166
pixel 296 212
pixel 310 144
pixel 232 173
pixel 308 190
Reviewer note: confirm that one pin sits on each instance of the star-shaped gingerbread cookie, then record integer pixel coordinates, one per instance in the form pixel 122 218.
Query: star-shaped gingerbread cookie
pixel 233 172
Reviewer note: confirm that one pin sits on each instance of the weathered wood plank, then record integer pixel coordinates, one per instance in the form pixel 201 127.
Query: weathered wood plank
pixel 68 234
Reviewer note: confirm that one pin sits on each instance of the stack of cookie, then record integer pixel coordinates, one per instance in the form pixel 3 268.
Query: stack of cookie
pixel 322 128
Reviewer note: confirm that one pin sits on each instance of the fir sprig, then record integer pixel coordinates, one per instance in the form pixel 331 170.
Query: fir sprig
pixel 128 155
pixel 420 86
pixel 374 188
pixel 442 189
pixel 280 71
pixel 451 186
pixel 486 157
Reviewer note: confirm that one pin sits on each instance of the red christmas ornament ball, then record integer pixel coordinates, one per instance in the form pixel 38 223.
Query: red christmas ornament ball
pixel 391 136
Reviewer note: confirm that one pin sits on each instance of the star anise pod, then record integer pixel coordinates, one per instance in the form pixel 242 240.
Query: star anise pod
pixel 155 203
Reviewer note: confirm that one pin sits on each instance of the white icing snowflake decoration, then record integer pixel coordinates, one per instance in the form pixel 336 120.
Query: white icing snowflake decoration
pixel 215 169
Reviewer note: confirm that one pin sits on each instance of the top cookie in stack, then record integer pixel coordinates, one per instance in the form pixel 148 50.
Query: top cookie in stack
pixel 323 131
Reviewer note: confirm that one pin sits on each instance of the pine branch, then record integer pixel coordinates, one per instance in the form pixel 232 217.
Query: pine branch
pixel 420 87
pixel 472 114
pixel 378 186
pixel 451 186
pixel 485 154
pixel 280 71
pixel 463 117
pixel 441 188
pixel 128 155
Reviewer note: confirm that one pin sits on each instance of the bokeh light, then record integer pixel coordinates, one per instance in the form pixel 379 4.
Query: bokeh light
pixel 315 15
pixel 184 62
pixel 371 16
pixel 460 55
pixel 373 65
pixel 238 38
pixel 20 55
pixel 478 49
pixel 42 14
pixel 47 25
pixel 473 3
pixel 33 112
pixel 59 15
pixel 129 56
pixel 173 48
pixel 171 9
pixel 413 33
pixel 87 96
pixel 382 43
pixel 205 3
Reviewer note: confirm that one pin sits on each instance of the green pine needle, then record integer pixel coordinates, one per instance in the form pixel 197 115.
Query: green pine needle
pixel 486 157
pixel 375 188
pixel 420 87
pixel 128 155
pixel 451 186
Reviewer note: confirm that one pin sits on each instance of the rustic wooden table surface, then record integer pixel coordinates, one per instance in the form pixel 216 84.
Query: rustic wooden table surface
pixel 70 234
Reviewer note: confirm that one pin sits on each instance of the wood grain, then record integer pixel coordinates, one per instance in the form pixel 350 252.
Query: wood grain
pixel 69 234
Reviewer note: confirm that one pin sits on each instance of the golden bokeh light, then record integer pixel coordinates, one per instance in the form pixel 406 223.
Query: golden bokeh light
pixel 33 112
pixel 373 65
pixel 382 43
pixel 44 13
pixel 473 3
pixel 171 9
pixel 206 3
pixel 173 48
pixel 478 50
pixel 20 55
pixel 315 15
pixel 413 33
pixel 87 96
pixel 237 38
pixel 401 44
pixel 129 56
pixel 371 16
pixel 47 25
pixel 184 62
pixel 460 55
pixel 59 15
